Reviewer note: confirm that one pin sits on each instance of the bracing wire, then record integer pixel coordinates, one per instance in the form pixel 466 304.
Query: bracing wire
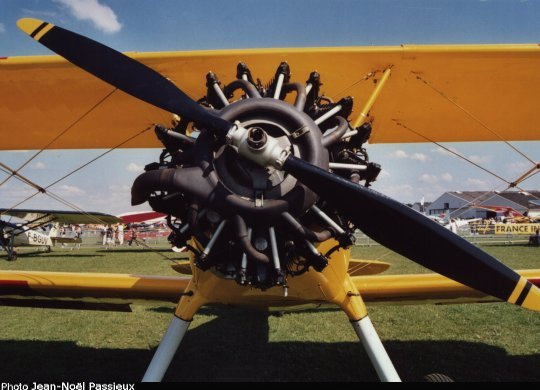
pixel 45 189
pixel 473 117
pixel 69 127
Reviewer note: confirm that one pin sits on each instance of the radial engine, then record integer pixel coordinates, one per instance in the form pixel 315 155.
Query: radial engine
pixel 257 225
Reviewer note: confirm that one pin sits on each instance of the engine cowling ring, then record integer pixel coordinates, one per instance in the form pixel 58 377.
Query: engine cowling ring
pixel 278 119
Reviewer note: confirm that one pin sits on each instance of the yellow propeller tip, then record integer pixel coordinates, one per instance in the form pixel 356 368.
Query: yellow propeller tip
pixel 526 295
pixel 532 300
pixel 34 27
pixel 28 25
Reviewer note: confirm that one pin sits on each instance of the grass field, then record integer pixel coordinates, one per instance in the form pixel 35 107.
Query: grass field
pixel 477 342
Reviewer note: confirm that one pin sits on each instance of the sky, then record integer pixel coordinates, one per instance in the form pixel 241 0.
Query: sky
pixel 410 171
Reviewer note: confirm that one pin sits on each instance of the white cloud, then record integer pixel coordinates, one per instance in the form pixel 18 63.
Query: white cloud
pixel 116 200
pixel 478 184
pixel 67 190
pixel 14 194
pixel 447 177
pixel 401 154
pixel 132 167
pixel 419 157
pixel 38 165
pixel 401 192
pixel 102 16
pixel 518 168
pixel 444 152
pixel 428 178
pixel 2 28
pixel 43 14
pixel 480 159
pixel 120 188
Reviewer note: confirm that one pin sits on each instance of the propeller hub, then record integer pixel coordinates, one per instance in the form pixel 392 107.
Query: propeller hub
pixel 256 138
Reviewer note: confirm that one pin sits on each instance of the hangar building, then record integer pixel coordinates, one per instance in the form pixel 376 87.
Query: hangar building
pixel 458 203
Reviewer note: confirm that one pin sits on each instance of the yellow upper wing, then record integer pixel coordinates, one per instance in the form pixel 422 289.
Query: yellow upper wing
pixel 498 84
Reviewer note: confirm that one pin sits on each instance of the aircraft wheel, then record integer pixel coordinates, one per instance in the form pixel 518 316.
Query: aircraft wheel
pixel 12 256
pixel 437 378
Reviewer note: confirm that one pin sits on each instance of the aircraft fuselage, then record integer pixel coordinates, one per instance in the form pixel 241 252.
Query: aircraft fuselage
pixel 22 237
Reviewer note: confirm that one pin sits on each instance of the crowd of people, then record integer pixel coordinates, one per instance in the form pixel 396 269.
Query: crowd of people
pixel 110 236
pixel 113 236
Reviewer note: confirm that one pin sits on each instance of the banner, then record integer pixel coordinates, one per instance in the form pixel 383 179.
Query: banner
pixel 516 228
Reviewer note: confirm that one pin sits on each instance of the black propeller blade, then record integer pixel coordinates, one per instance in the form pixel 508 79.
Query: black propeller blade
pixel 416 237
pixel 385 220
pixel 121 71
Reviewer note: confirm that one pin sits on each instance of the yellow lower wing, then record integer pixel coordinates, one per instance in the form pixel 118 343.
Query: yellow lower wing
pixel 424 288
pixel 394 289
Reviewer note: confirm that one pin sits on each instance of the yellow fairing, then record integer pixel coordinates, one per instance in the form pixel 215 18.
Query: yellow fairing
pixel 332 285
pixel 497 84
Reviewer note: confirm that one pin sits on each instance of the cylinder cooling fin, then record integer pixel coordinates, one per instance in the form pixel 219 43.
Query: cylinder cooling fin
pixel 251 223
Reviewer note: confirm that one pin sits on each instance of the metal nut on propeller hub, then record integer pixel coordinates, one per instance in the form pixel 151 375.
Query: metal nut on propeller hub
pixel 256 138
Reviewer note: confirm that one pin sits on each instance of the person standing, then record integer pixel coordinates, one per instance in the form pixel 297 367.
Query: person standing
pixel 78 236
pixel 120 230
pixel 104 235
pixel 133 236
pixel 62 235
pixel 109 237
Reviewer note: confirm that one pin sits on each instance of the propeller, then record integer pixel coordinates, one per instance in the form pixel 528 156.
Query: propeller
pixel 120 71
pixel 387 221
pixel 416 237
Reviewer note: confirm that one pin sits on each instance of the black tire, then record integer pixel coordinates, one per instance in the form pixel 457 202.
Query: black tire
pixel 437 378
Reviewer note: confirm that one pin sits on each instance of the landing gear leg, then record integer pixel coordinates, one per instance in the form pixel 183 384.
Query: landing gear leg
pixel 166 350
pixel 187 307
pixel 352 304
pixel 7 245
pixel 375 350
pixel 12 255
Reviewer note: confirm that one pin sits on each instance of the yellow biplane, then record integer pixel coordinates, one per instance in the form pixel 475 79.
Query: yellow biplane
pixel 266 183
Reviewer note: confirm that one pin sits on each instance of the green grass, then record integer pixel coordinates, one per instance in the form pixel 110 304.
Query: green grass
pixel 498 342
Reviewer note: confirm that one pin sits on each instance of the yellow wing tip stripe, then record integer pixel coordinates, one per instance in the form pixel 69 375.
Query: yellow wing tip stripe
pixel 517 290
pixel 34 27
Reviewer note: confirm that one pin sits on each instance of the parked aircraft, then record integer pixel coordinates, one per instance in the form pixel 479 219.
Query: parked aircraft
pixel 33 231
